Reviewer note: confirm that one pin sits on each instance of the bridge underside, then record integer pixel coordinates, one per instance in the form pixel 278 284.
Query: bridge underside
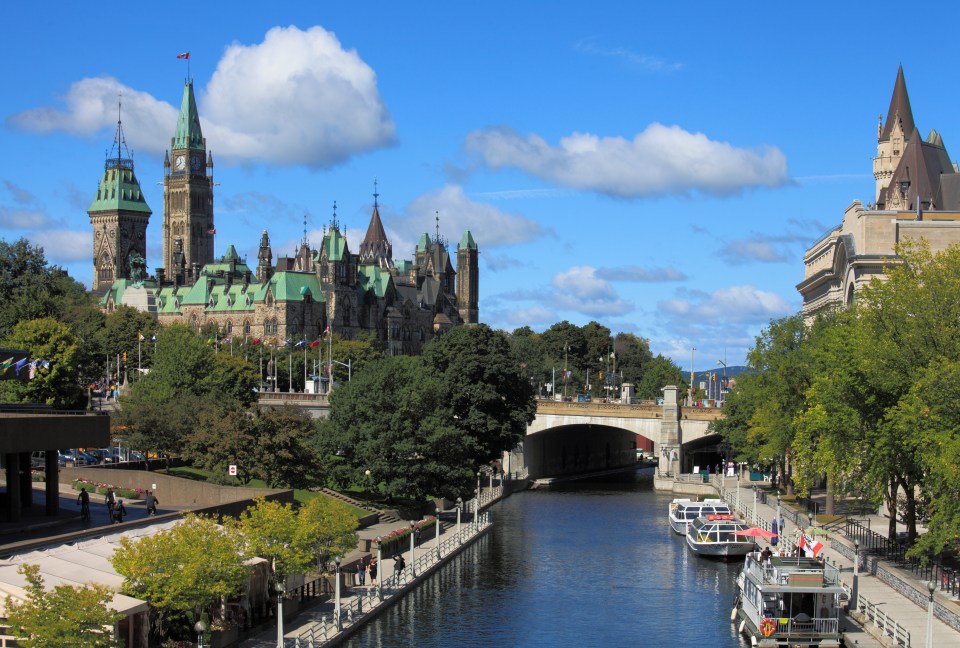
pixel 705 451
pixel 573 449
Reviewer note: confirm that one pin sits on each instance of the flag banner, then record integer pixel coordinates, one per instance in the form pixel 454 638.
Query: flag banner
pixel 300 343
pixel 183 55
pixel 211 231
pixel 11 362
pixel 18 365
pixel 140 337
pixel 315 343
pixel 810 546
pixel 255 341
pixel 327 330
pixel 287 342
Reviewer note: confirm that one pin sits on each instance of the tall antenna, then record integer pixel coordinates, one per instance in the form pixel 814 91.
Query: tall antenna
pixel 305 228
pixel 375 194
pixel 437 239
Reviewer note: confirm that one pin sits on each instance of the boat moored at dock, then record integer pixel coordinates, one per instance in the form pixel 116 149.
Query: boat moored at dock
pixel 789 601
pixel 684 511
pixel 716 536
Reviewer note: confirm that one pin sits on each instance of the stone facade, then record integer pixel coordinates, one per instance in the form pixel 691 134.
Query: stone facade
pixel 917 197
pixel 330 288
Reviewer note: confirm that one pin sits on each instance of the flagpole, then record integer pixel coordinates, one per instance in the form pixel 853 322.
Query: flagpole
pixel 304 364
pixel 290 371
pixel 329 359
pixel 139 341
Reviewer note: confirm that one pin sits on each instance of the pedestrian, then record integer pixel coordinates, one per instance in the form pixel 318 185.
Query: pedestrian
pixel 110 499
pixel 416 536
pixel 776 533
pixel 361 573
pixel 783 525
pixel 118 512
pixel 151 502
pixel 765 554
pixel 398 564
pixel 83 499
pixel 372 568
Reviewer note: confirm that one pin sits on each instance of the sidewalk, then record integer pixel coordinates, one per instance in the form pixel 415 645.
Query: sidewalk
pixel 887 599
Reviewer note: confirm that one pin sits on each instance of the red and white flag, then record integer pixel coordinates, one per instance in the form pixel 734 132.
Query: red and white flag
pixel 327 330
pixel 183 55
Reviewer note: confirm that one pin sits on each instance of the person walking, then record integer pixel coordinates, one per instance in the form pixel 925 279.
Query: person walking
pixel 372 570
pixel 119 511
pixel 83 499
pixel 361 573
pixel 398 564
pixel 110 499
pixel 151 502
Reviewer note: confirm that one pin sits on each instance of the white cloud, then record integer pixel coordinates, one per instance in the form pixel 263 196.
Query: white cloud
pixel 64 246
pixel 662 160
pixel 645 61
pixel 580 289
pixel 641 275
pixel 731 304
pixel 21 218
pixel 490 226
pixel 744 250
pixel 297 98
pixel 536 317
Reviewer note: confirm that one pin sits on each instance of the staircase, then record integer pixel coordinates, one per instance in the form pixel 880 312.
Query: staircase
pixel 385 517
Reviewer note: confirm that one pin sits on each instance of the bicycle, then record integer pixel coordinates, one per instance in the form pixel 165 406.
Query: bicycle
pixel 85 511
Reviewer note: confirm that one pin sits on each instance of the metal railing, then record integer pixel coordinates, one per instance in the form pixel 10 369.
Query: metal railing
pixel 354 608
pixel 802 629
pixel 931 570
pixel 879 618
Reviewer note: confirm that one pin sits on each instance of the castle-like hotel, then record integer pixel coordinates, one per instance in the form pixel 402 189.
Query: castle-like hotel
pixel 917 197
pixel 404 303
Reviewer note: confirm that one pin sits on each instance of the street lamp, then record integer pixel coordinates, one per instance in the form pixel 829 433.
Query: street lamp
pixel 459 509
pixel 810 518
pixel 931 587
pixel 336 593
pixel 379 570
pixel 723 385
pixel 413 548
pixel 201 628
pixel 279 588
pixel 436 532
pixel 476 502
pixel 854 590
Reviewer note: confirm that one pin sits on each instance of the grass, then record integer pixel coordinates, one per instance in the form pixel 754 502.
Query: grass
pixel 301 496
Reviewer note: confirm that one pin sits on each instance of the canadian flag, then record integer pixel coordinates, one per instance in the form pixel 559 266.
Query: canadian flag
pixel 183 55
pixel 810 546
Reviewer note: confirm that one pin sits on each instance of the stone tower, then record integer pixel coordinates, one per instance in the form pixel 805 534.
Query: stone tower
pixel 264 259
pixel 118 215
pixel 468 279
pixel 893 136
pixel 188 190
pixel 375 249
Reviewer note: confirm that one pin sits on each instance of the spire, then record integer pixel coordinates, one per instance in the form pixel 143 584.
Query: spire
pixel 119 187
pixel 116 158
pixel 188 134
pixel 376 248
pixel 899 109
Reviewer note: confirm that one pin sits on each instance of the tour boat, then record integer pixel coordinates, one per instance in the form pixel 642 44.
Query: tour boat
pixel 684 511
pixel 716 536
pixel 789 601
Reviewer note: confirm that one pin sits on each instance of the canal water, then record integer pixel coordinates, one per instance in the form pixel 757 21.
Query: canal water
pixel 589 565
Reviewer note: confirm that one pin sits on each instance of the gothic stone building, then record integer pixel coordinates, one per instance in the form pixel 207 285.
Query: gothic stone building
pixel 403 302
pixel 917 197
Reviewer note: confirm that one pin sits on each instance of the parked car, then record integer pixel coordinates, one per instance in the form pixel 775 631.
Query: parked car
pixel 102 454
pixel 126 454
pixel 79 458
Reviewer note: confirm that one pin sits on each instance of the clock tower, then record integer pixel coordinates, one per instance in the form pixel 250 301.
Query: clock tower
pixel 118 215
pixel 188 190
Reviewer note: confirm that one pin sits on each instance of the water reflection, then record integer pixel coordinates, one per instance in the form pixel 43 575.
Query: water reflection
pixel 590 565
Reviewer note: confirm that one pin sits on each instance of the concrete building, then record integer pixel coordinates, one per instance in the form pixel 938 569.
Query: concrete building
pixel 917 197
pixel 403 302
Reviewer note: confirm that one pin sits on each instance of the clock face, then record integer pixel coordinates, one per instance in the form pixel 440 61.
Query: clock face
pixel 196 162
pixel 180 162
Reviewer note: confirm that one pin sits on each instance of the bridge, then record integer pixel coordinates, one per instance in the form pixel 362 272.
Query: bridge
pixel 568 438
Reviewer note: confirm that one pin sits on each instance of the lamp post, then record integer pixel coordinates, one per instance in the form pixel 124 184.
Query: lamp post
pixel 692 390
pixel 810 518
pixel 459 509
pixel 931 587
pixel 436 536
pixel 491 482
pixel 754 506
pixel 336 593
pixel 279 588
pixel 413 549
pixel 201 628
pixel 723 385
pixel 379 570
pixel 854 589
pixel 476 501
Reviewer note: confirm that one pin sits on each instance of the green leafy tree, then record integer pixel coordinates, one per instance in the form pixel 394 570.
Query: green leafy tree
pixel 271 530
pixel 122 330
pixel 395 421
pixel 633 358
pixel 191 566
pixel 328 525
pixel 55 382
pixel 79 617
pixel 491 401
pixel 658 373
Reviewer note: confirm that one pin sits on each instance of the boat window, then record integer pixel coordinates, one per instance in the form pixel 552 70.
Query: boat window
pixel 708 510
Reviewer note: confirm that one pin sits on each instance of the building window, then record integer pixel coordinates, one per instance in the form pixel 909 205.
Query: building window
pixel 246 327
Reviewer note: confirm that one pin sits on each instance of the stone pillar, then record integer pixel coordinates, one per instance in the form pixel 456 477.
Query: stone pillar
pixel 670 435
pixel 13 487
pixel 51 467
pixel 26 481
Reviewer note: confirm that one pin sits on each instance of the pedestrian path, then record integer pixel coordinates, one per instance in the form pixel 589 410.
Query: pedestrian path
pixel 889 613
pixel 324 622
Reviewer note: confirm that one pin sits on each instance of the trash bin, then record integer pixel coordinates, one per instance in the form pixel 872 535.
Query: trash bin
pixel 706 476
pixel 756 476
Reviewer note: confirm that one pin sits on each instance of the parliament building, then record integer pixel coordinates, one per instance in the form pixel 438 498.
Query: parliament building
pixel 403 302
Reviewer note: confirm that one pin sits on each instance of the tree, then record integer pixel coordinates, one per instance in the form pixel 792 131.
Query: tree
pixel 184 569
pixel 79 617
pixel 328 525
pixel 394 421
pixel 658 373
pixel 491 401
pixel 270 530
pixel 633 357
pixel 55 381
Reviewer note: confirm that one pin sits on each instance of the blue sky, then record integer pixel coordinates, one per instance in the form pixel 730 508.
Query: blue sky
pixel 660 169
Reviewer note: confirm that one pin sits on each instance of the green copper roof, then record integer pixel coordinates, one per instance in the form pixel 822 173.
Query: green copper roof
pixel 403 265
pixel 335 245
pixel 424 243
pixel 288 286
pixel 373 278
pixel 119 189
pixel 467 241
pixel 211 269
pixel 188 135
pixel 231 254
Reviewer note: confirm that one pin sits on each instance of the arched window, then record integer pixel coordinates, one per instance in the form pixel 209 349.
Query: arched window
pixel 246 327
